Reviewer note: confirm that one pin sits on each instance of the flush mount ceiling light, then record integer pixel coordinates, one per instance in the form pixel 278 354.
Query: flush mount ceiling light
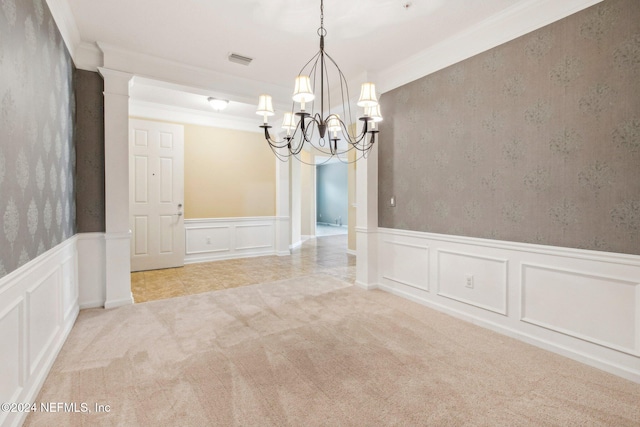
pixel 218 104
pixel 311 127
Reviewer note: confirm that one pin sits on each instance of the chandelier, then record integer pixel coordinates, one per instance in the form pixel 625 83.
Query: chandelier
pixel 321 128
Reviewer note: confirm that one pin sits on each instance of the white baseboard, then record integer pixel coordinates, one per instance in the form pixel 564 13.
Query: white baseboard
pixel 38 307
pixel 580 304
pixel 367 286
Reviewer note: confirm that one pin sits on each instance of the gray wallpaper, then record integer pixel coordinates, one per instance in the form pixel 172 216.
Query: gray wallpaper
pixel 90 207
pixel 536 140
pixel 37 207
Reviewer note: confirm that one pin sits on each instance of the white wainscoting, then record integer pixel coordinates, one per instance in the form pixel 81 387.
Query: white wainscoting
pixel 38 307
pixel 582 304
pixel 226 238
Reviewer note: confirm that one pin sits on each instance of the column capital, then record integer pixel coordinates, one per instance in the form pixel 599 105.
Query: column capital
pixel 116 82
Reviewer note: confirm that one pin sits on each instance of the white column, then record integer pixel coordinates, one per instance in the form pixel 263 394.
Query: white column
pixel 367 220
pixel 296 208
pixel 283 207
pixel 116 148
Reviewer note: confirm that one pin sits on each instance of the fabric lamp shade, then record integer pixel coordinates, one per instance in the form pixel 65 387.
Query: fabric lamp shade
pixel 368 95
pixel 289 121
pixel 265 106
pixel 302 91
pixel 374 113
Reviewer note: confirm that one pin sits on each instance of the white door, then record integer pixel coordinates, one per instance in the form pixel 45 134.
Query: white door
pixel 156 194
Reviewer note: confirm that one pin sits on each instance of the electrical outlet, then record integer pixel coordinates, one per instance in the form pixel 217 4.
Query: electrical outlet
pixel 208 240
pixel 469 283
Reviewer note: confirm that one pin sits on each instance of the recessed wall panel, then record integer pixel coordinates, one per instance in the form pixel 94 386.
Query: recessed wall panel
pixel 44 316
pixel 472 279
pixel 69 285
pixel 253 236
pixel 596 308
pixel 406 263
pixel 11 359
pixel 208 239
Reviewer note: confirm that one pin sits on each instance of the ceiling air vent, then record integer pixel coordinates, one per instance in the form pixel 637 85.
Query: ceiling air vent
pixel 239 59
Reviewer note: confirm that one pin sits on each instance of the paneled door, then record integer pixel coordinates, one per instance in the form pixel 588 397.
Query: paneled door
pixel 156 194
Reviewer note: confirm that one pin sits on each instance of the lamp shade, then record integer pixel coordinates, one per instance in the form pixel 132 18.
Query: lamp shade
pixel 302 91
pixel 333 124
pixel 368 95
pixel 374 113
pixel 289 121
pixel 265 106
pixel 218 104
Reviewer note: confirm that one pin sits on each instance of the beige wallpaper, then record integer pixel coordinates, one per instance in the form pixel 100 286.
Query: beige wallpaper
pixel 37 156
pixel 537 140
pixel 228 173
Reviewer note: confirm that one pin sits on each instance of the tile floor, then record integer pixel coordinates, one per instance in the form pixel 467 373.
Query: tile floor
pixel 330 230
pixel 319 255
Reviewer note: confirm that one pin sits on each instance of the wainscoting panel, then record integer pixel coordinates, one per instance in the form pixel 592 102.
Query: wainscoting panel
pixel 406 263
pixel 596 308
pixel 579 303
pixel 473 279
pixel 38 307
pixel 44 316
pixel 254 236
pixel 12 361
pixel 208 239
pixel 225 238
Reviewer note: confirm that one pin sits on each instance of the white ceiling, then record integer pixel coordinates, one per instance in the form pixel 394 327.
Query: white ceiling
pixel 365 37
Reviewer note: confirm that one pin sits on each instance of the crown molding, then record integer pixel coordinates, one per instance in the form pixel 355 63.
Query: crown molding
pixel 88 56
pixel 66 23
pixel 173 72
pixel 512 23
pixel 85 56
pixel 169 113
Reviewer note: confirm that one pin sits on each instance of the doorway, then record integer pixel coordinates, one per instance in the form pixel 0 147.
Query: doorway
pixel 156 194
pixel 332 199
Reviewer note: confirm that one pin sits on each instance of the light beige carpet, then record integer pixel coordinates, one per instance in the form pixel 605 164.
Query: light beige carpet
pixel 316 351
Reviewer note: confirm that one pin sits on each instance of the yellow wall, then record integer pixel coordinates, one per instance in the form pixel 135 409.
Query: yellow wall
pixel 227 173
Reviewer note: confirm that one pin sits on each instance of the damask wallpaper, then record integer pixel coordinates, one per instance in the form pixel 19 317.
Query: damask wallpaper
pixel 536 140
pixel 37 204
pixel 90 207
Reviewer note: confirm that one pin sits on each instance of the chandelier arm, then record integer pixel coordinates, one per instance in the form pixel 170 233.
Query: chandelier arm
pixel 314 57
pixel 272 142
pixel 344 87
